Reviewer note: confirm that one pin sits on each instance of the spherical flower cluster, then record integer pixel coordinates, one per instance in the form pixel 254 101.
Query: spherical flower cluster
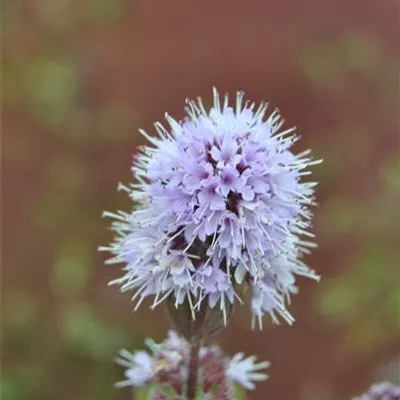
pixel 220 205
pixel 382 391
pixel 166 369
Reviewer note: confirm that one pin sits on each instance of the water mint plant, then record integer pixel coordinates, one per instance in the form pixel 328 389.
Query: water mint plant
pixel 221 215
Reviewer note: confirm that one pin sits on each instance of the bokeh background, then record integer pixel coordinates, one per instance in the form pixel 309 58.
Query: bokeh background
pixel 81 76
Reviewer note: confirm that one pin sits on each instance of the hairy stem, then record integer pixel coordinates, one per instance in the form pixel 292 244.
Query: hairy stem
pixel 193 368
pixel 197 333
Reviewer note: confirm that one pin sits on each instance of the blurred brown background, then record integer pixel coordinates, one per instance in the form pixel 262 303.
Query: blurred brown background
pixel 81 76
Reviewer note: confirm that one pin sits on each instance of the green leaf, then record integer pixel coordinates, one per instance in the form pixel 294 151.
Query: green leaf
pixel 156 388
pixel 199 393
pixel 239 392
pixel 167 390
pixel 142 393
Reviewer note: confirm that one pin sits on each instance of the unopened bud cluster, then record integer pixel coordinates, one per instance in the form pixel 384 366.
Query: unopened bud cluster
pixel 165 370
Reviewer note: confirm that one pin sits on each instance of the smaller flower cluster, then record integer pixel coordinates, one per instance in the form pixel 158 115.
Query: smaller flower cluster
pixel 381 391
pixel 165 367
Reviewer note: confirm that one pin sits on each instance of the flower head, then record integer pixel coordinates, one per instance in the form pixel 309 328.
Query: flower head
pixel 381 391
pixel 220 205
pixel 167 366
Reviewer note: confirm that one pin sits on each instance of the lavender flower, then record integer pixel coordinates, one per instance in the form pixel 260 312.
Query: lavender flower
pixel 167 366
pixel 220 206
pixel 382 391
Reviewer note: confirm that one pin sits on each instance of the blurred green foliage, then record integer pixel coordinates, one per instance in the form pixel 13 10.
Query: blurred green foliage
pixel 70 269
pixel 328 61
pixel 50 88
pixel 365 297
pixel 103 11
pixel 84 330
